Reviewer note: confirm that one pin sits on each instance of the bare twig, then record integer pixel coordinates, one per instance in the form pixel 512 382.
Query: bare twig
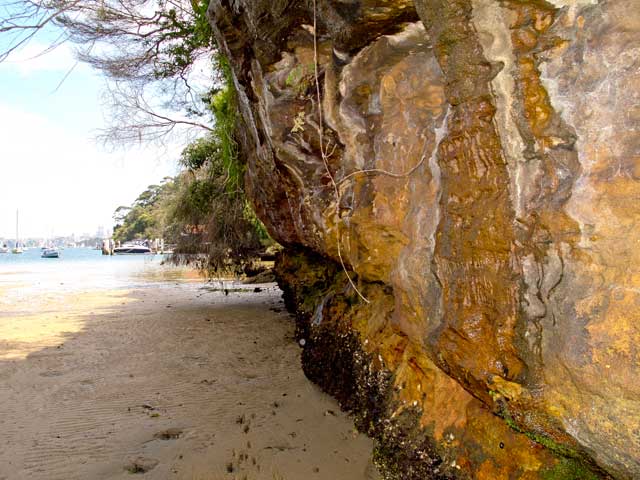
pixel 323 153
pixel 379 171
pixel 143 43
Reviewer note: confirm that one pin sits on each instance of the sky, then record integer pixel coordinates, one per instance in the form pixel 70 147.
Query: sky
pixel 51 169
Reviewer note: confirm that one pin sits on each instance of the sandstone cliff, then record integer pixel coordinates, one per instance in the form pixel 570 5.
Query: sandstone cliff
pixel 456 183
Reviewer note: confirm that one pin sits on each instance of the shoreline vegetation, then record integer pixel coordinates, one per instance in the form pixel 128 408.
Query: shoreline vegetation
pixel 203 211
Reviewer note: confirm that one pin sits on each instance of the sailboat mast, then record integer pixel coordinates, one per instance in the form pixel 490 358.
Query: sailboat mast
pixel 17 228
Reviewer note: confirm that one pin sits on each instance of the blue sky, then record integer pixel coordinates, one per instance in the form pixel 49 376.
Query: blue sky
pixel 51 169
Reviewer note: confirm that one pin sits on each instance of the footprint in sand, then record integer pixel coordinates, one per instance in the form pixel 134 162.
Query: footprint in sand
pixel 169 434
pixel 140 464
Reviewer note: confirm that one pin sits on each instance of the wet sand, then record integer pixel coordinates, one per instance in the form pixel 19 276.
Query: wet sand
pixel 169 381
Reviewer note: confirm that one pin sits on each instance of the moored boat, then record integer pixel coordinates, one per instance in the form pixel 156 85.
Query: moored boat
pixel 130 248
pixel 50 253
pixel 17 248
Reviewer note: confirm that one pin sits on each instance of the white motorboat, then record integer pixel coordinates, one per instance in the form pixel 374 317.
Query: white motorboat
pixel 131 248
pixel 50 253
pixel 4 248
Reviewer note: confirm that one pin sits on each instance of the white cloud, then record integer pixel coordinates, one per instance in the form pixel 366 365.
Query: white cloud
pixel 63 183
pixel 49 167
pixel 34 58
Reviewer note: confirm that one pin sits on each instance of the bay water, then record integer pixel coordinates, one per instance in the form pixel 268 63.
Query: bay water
pixel 82 269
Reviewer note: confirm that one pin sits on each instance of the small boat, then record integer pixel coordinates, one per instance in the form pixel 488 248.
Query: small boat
pixel 17 248
pixel 130 248
pixel 4 248
pixel 50 253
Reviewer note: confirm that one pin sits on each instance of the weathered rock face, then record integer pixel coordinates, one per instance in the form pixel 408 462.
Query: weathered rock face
pixel 475 165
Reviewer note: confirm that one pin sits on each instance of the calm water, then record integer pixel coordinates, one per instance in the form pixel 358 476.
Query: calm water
pixel 82 269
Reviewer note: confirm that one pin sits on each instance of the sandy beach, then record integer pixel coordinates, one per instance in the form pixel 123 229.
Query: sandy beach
pixel 162 381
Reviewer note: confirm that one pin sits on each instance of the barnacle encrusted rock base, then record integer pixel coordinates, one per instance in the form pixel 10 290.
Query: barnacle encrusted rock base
pixel 474 165
pixel 353 353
